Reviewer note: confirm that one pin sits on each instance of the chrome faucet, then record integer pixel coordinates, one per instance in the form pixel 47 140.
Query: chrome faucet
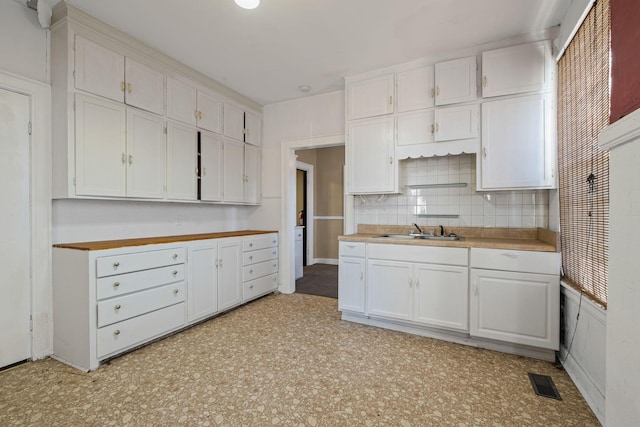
pixel 418 228
pixel 441 230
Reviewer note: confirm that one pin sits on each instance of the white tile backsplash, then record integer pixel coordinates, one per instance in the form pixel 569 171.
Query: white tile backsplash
pixel 514 209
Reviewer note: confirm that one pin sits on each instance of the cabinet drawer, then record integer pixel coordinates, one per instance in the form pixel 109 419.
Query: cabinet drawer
pixel 356 249
pixel 523 261
pixel 254 271
pixel 261 255
pixel 257 287
pixel 426 254
pixel 125 263
pixel 128 306
pixel 120 336
pixel 260 242
pixel 114 286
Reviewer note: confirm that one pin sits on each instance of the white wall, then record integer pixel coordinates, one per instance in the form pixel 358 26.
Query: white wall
pixel 88 220
pixel 24 45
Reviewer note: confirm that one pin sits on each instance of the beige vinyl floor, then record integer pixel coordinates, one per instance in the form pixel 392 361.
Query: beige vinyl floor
pixel 288 360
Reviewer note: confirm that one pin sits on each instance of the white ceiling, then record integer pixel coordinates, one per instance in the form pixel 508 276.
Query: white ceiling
pixel 268 52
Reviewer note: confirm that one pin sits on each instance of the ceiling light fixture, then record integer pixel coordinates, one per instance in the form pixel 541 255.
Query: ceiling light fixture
pixel 304 88
pixel 248 4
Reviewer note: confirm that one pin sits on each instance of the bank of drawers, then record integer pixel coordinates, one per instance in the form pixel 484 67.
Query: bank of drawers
pixel 139 296
pixel 260 266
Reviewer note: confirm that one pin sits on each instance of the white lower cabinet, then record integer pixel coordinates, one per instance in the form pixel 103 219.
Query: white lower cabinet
pixel 229 273
pixel 202 281
pixel 515 298
pixel 352 267
pixel 389 289
pixel 260 266
pixel 441 296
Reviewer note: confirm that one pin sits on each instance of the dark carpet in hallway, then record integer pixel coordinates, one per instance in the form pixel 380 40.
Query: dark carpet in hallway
pixel 319 279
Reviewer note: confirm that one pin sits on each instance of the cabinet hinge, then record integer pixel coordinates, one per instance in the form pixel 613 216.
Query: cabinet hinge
pixel 74 105
pixel 74 181
pixel 31 322
pixel 165 130
pixel 74 74
pixel 29 128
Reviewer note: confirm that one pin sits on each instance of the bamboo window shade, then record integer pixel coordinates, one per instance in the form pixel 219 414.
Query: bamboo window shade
pixel 583 169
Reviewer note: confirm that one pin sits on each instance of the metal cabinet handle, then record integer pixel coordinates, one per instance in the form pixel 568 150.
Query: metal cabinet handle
pixel 275 265
pixel 174 272
pixel 438 90
pixel 510 255
pixel 273 241
pixel 484 81
pixel 122 86
pixel 129 87
pixel 116 264
pixel 391 100
pixel 250 245
pixel 251 271
pixel 361 275
pixel 251 287
pixel 116 284
pixel 251 257
pixel 433 92
pixel 124 158
pixel 175 291
pixel 130 159
pixel 117 307
pixel 175 256
pixel 484 152
pixel 116 332
pixel 390 160
pixel 273 253
pixel 432 129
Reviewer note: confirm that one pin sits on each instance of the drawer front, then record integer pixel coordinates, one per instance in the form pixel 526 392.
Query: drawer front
pixel 356 249
pixel 254 271
pixel 426 254
pixel 253 257
pixel 298 234
pixel 114 286
pixel 128 306
pixel 522 261
pixel 260 242
pixel 257 287
pixel 125 263
pixel 120 336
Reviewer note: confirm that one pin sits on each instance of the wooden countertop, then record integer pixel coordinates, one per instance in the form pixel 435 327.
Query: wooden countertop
pixel 471 237
pixel 111 244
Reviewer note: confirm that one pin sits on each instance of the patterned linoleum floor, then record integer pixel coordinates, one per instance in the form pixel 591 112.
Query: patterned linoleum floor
pixel 289 360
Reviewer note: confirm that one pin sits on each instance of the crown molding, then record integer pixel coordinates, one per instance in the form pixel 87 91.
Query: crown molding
pixel 623 131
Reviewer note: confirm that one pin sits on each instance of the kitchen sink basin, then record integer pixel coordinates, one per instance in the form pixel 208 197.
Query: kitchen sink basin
pixel 417 236
pixel 397 236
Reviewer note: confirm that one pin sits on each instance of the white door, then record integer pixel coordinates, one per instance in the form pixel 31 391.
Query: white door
pixel 415 89
pixel 15 336
pixel 351 282
pixel 390 289
pixel 99 70
pixel 229 270
pixel 145 155
pixel 233 171
pixel 181 101
pixel 233 122
pixel 182 162
pixel 211 165
pixel 370 156
pixel 370 97
pixel 145 87
pixel 454 123
pixel 456 81
pixel 210 114
pixel 252 174
pixel 442 295
pixel 253 128
pixel 415 128
pixel 203 282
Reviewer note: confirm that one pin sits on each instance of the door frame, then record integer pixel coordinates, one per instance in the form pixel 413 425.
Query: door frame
pixel 288 202
pixel 40 171
pixel 309 214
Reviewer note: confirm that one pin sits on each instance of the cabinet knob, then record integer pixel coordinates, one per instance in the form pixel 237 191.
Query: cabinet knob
pixel 117 307
pixel 484 152
pixel 122 86
pixel 274 265
pixel 390 160
pixel 484 81
pixel 129 87
pixel 195 113
pixel 433 92
pixel 124 158
pixel 251 271
pixel 432 129
pixel 175 291
pixel 437 90
pixel 175 256
pixel 116 332
pixel 437 127
pixel 116 284
pixel 251 287
pixel 273 241
pixel 250 245
pixel 391 100
pixel 116 264
pixel 273 253
pixel 130 159
pixel 174 272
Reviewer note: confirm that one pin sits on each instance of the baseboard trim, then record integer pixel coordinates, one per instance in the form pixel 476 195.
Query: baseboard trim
pixel 325 261
pixel 591 394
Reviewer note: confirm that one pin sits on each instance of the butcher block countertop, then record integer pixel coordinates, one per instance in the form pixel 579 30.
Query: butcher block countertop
pixel 524 239
pixel 111 244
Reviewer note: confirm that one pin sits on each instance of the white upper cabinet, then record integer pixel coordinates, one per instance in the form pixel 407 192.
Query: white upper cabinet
pixel 181 101
pixel 517 69
pixel 253 128
pixel 518 144
pixel 456 81
pixel 145 87
pixel 454 123
pixel 233 122
pixel 416 127
pixel 252 174
pixel 145 155
pixel 233 181
pixel 100 147
pixel 371 97
pixel 415 90
pixel 371 165
pixel 211 167
pixel 182 166
pixel 210 112
pixel 103 72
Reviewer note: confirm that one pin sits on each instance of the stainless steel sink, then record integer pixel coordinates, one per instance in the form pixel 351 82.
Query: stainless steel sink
pixel 397 236
pixel 417 236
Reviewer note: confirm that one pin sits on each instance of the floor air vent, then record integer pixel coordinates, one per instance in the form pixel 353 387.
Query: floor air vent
pixel 543 386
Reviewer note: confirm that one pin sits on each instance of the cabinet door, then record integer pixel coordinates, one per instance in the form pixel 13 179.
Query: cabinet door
pixel 520 308
pixel 415 89
pixel 229 273
pixel 456 81
pixel 517 143
pixel 233 122
pixel 351 282
pixel 145 155
pixel 181 101
pixel 442 296
pixel 182 142
pixel 415 128
pixel 390 289
pixel 202 298
pixel 252 174
pixel 210 112
pixel 99 70
pixel 233 181
pixel 100 147
pixel 370 97
pixel 454 123
pixel 145 87
pixel 212 166
pixel 253 129
pixel 370 156
pixel 517 69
